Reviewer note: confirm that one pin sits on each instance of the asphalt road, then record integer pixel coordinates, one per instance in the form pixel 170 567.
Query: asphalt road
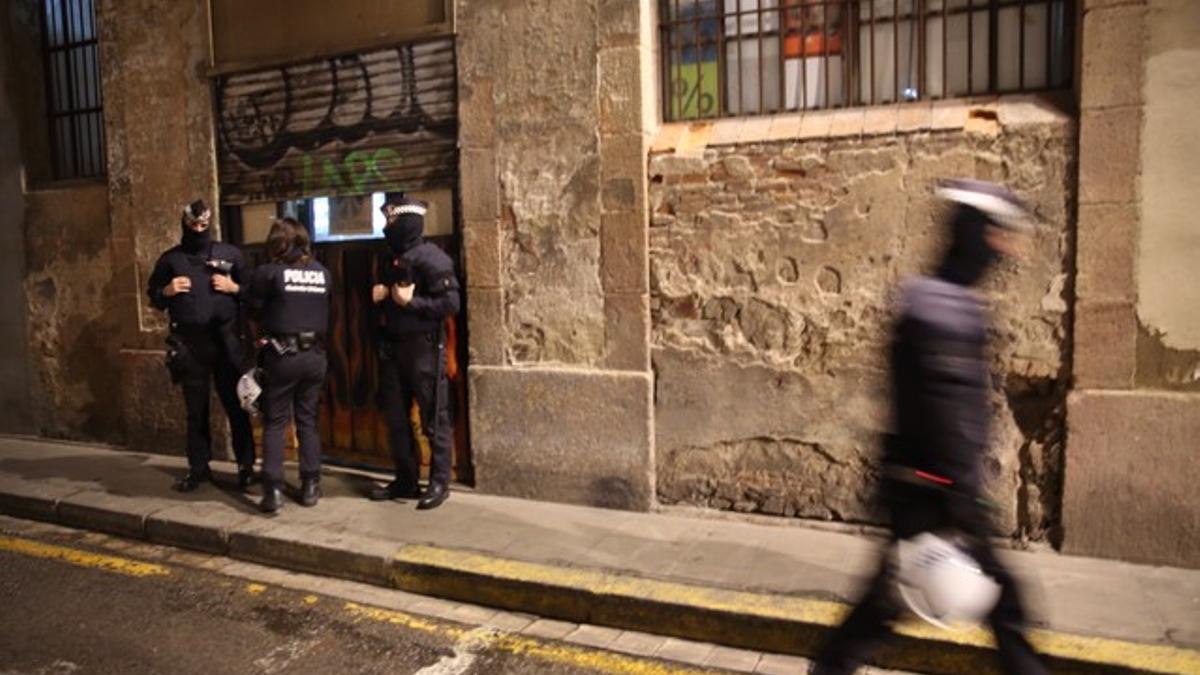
pixel 63 613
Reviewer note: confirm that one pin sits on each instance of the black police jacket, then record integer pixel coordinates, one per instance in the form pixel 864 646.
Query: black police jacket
pixel 940 383
pixel 201 306
pixel 289 299
pixel 435 297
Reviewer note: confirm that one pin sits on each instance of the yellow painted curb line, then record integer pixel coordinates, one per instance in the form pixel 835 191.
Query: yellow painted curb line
pixel 789 608
pixel 108 563
pixel 581 657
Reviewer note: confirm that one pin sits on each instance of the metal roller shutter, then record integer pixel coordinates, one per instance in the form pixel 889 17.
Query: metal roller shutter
pixel 349 125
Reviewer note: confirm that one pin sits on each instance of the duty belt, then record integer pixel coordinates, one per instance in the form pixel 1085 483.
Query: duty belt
pixel 290 344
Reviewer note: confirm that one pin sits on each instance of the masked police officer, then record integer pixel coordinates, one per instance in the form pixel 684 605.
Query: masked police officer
pixel 290 296
pixel 197 283
pixel 418 292
pixel 933 463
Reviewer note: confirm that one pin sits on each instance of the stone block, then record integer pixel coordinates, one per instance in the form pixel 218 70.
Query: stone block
pixel 1089 5
pixel 103 512
pixel 1107 246
pixel 1114 43
pixel 620 90
pixel 847 123
pixel 480 187
pixel 619 22
pixel 476 113
pixel 1105 345
pixel 914 117
pixel 622 156
pixel 816 124
pixel 623 242
pixel 1109 155
pixel 755 129
pixel 1131 477
pixel 726 131
pixel 685 651
pixel 948 115
pixel 627 331
pixel 563 435
pixel 784 127
pixel 200 529
pixel 481 249
pixel 639 644
pixel 485 326
pixel 881 120
pixel 35 500
pixel 313 549
pixel 667 137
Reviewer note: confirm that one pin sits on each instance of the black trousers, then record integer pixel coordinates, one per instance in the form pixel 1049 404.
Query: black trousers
pixel 414 368
pixel 914 510
pixel 213 358
pixel 292 390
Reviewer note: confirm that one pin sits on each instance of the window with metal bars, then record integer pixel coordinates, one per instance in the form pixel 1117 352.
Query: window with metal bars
pixel 722 58
pixel 74 102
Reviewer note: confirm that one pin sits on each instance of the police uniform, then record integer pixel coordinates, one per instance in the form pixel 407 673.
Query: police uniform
pixel 292 304
pixel 412 354
pixel 933 477
pixel 205 345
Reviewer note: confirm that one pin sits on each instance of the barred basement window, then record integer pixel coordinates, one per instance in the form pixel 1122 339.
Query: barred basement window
pixel 74 102
pixel 722 58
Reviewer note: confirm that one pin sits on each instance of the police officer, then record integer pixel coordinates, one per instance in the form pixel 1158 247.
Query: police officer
pixel 418 292
pixel 290 296
pixel 933 462
pixel 197 283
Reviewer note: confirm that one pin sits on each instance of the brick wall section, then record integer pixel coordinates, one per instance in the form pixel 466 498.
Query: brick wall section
pixel 773 268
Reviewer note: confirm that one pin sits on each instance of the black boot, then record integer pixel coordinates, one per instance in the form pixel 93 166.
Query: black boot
pixel 272 497
pixel 310 490
pixel 192 479
pixel 396 489
pixel 246 476
pixel 437 493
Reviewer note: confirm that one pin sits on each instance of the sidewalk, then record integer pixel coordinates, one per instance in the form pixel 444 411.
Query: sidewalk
pixel 763 587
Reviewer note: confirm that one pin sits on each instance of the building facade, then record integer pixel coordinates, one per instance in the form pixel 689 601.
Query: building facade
pixel 679 227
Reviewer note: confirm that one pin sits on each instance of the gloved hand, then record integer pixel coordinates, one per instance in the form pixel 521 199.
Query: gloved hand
pixel 402 295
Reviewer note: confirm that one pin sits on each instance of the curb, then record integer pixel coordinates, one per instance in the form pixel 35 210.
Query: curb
pixel 759 621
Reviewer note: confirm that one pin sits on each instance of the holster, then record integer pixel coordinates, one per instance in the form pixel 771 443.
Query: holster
pixel 178 357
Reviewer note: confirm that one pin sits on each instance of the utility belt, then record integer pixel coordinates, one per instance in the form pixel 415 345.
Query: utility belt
pixel 292 344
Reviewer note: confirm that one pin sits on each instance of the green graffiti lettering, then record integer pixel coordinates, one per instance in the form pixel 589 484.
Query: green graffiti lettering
pixel 332 181
pixel 358 166
pixel 383 160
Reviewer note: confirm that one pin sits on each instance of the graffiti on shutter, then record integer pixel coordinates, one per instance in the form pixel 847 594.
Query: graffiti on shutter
pixel 379 121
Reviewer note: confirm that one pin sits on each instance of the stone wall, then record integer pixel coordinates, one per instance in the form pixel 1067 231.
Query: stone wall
pixel 1131 470
pixel 554 139
pixel 15 412
pixel 161 154
pixel 60 366
pixel 773 269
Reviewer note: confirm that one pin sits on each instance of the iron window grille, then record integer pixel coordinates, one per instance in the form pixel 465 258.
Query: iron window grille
pixel 724 58
pixel 74 101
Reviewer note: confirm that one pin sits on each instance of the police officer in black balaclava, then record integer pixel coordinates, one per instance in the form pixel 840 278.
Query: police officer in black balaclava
pixel 932 479
pixel 290 297
pixel 418 292
pixel 197 282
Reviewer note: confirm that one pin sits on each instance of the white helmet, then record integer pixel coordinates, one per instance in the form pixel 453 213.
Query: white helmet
pixel 249 389
pixel 942 584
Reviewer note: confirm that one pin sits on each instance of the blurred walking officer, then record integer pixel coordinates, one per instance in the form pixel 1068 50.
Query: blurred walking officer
pixel 197 283
pixel 289 294
pixel 418 292
pixel 933 463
